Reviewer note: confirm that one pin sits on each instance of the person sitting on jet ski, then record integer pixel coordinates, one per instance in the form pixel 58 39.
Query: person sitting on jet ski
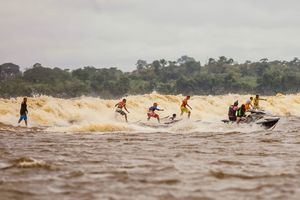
pixel 241 114
pixel 248 105
pixel 232 111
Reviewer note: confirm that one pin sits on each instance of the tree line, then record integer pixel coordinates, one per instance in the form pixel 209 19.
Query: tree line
pixel 184 76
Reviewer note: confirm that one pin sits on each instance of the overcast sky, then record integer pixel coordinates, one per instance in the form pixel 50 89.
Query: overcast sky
pixel 116 33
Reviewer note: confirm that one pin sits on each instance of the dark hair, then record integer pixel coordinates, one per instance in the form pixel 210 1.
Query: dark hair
pixel 124 100
pixel 236 103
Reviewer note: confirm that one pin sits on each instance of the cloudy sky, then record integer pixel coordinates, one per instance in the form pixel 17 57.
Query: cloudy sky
pixel 116 33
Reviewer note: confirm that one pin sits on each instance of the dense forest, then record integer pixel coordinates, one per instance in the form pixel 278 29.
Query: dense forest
pixel 184 76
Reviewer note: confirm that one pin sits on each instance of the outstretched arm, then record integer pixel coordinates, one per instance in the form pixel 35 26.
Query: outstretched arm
pixel 126 109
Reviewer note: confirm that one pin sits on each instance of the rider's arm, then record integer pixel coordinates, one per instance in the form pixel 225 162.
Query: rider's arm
pixel 189 106
pixel 126 109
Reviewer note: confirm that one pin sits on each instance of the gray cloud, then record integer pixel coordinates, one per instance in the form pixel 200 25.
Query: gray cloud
pixel 103 33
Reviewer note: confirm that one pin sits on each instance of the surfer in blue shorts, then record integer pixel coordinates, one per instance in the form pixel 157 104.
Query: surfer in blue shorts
pixel 23 111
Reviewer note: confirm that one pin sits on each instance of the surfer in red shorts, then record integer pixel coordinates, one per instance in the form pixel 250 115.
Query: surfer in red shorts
pixel 151 112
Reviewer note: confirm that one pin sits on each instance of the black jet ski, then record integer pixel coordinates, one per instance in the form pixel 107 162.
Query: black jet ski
pixel 259 117
pixel 257 112
pixel 265 123
pixel 268 123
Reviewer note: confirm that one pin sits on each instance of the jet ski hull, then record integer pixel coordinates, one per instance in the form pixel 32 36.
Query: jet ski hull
pixel 269 123
pixel 265 123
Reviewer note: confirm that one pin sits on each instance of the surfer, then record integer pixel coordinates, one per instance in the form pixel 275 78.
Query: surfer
pixel 151 112
pixel 184 106
pixel 232 111
pixel 172 118
pixel 120 106
pixel 23 111
pixel 256 102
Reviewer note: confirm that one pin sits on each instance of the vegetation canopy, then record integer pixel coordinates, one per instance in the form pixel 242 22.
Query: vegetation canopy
pixel 184 76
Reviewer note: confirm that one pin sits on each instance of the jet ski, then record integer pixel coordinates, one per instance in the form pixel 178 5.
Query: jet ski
pixel 268 123
pixel 257 112
pixel 260 118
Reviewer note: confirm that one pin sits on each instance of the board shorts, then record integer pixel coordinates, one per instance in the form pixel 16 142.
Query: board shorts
pixel 119 110
pixel 184 110
pixel 152 114
pixel 23 117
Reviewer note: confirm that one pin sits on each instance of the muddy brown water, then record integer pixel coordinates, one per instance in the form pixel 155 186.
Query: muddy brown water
pixel 35 164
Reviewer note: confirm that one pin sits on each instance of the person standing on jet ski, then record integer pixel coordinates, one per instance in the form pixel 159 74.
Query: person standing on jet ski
pixel 256 102
pixel 232 111
pixel 241 114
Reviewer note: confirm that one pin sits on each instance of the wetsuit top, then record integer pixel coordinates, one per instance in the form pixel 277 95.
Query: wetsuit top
pixel 240 112
pixel 232 111
pixel 121 104
pixel 153 108
pixel 184 103
pixel 23 110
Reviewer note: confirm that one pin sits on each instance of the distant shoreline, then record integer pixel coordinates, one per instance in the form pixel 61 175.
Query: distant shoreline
pixel 184 76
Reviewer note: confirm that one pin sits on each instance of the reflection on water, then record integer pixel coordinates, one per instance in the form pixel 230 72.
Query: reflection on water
pixel 169 164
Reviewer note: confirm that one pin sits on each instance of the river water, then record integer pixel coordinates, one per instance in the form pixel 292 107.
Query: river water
pixel 78 149
pixel 159 165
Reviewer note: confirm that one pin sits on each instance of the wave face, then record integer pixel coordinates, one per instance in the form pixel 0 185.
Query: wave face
pixel 88 114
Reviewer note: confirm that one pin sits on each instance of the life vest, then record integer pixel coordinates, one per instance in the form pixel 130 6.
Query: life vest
pixel 232 111
pixel 240 112
pixel 247 106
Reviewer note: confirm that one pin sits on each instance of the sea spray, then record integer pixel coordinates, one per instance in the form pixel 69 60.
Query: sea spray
pixel 89 114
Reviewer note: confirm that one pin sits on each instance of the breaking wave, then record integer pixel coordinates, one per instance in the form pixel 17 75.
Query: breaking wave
pixel 89 114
